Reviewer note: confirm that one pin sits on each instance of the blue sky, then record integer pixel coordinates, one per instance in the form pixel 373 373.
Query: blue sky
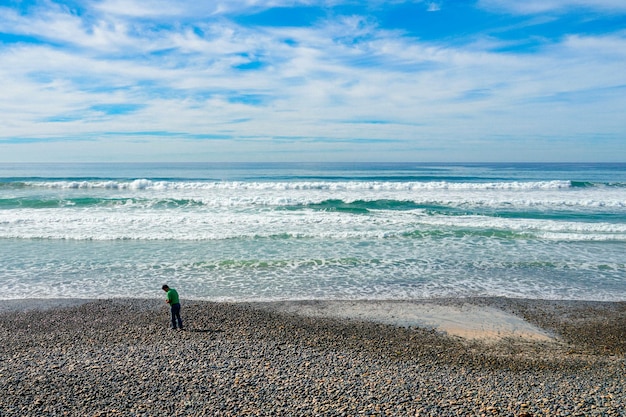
pixel 289 80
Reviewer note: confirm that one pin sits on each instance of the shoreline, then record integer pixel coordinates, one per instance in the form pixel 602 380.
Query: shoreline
pixel 470 318
pixel 118 357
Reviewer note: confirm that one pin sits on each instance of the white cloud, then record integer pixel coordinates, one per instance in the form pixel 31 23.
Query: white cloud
pixel 434 7
pixel 543 6
pixel 143 9
pixel 182 9
pixel 342 79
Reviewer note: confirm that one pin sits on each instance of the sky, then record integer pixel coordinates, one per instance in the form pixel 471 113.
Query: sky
pixel 313 81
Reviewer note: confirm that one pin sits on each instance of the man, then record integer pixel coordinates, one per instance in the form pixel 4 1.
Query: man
pixel 174 302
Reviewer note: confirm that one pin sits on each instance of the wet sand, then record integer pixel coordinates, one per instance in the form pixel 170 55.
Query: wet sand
pixel 479 356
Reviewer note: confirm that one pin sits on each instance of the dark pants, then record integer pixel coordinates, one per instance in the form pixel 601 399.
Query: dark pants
pixel 176 316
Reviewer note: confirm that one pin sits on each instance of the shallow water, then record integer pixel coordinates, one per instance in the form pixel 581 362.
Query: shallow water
pixel 284 232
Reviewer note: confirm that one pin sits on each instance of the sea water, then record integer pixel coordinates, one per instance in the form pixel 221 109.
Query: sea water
pixel 235 232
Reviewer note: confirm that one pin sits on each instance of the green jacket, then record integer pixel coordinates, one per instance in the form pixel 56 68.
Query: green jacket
pixel 172 297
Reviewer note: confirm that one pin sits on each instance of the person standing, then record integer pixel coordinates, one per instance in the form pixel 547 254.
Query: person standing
pixel 174 302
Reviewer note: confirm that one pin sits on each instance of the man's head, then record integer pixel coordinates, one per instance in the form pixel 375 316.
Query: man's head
pixel 165 287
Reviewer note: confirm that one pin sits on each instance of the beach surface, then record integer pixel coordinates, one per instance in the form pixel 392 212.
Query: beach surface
pixel 451 317
pixel 445 357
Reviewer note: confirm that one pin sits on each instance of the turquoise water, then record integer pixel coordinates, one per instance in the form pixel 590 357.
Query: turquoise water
pixel 324 231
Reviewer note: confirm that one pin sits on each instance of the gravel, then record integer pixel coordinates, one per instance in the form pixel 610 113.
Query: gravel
pixel 118 357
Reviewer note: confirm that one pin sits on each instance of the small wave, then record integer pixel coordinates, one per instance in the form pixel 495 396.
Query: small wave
pixel 28 231
pixel 581 207
pixel 147 184
pixel 8 185
pixel 588 184
pixel 357 206
pixel 238 264
pixel 60 203
pixel 582 184
pixel 469 233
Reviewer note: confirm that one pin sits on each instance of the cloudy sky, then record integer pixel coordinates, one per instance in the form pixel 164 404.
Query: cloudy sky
pixel 312 80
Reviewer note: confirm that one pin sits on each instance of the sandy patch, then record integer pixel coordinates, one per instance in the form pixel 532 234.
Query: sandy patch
pixel 464 320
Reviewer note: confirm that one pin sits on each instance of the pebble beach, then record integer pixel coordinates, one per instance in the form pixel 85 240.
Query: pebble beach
pixel 118 357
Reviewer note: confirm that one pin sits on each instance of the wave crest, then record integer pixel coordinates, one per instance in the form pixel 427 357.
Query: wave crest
pixel 148 184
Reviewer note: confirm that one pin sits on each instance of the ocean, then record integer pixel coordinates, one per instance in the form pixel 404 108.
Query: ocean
pixel 268 232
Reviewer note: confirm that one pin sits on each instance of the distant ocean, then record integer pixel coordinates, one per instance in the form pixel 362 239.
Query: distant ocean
pixel 240 232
